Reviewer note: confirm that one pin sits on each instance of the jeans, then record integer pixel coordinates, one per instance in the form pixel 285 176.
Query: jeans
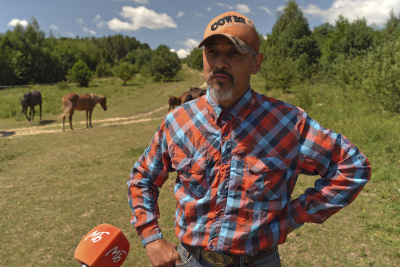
pixel 189 260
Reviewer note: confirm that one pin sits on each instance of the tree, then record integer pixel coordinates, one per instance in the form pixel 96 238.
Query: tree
pixel 164 65
pixel 8 75
pixel 290 52
pixel 80 73
pixel 195 59
pixel 391 32
pixel 382 76
pixel 124 71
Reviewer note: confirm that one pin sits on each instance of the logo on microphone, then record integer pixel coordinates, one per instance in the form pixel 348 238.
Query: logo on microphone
pixel 117 254
pixel 96 236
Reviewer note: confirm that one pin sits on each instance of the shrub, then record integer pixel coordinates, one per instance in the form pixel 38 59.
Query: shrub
pixel 80 73
pixel 382 76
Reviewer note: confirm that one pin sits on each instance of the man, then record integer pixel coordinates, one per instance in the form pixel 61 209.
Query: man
pixel 237 155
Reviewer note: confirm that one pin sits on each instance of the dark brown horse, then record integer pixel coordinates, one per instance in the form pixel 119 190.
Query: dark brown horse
pixel 72 102
pixel 31 99
pixel 193 93
pixel 174 101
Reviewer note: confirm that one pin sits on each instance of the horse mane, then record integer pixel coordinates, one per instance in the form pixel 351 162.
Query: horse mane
pixel 97 98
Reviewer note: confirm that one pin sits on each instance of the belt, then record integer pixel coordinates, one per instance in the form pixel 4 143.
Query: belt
pixel 221 260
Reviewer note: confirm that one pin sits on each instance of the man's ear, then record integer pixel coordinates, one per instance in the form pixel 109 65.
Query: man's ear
pixel 257 63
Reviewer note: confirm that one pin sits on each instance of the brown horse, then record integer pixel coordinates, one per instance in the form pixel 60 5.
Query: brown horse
pixel 31 99
pixel 193 93
pixel 72 102
pixel 174 101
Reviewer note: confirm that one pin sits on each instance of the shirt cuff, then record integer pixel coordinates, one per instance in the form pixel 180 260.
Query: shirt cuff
pixel 297 214
pixel 149 233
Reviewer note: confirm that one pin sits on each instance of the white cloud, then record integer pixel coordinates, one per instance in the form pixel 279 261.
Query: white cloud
pixel 182 53
pixel 240 8
pixel 99 22
pixel 266 9
pixel 373 11
pixel 15 22
pixel 53 27
pixel 180 14
pixel 79 21
pixel 141 17
pixel 189 44
pixel 89 31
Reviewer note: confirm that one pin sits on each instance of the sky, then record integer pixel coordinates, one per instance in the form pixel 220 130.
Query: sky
pixel 179 24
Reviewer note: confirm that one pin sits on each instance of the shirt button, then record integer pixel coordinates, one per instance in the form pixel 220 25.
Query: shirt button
pixel 211 246
pixel 222 191
pixel 218 218
pixel 225 134
pixel 225 161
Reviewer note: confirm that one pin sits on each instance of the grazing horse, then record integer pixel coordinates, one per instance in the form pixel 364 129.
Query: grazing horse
pixel 193 93
pixel 31 99
pixel 174 101
pixel 72 102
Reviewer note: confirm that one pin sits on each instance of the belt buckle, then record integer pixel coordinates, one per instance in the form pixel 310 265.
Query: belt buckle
pixel 216 259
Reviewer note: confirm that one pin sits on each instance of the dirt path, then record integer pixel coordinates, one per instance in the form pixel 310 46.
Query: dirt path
pixel 56 128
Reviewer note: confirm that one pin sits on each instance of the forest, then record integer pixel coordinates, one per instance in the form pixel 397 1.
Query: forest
pixel 358 56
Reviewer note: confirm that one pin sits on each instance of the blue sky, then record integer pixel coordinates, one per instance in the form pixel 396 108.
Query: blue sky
pixel 179 24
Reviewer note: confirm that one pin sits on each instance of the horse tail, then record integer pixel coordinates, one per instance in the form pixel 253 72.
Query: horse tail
pixel 66 106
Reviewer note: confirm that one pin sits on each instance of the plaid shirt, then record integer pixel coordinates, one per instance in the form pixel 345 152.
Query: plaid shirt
pixel 236 171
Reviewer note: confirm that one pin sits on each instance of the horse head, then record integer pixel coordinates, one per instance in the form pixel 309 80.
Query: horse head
pixel 24 104
pixel 103 103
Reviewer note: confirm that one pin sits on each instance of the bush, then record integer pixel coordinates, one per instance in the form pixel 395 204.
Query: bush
pixel 80 73
pixel 382 76
pixel 124 71
pixel 63 85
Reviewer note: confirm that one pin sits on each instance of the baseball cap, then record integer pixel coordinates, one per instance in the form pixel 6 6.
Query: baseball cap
pixel 238 28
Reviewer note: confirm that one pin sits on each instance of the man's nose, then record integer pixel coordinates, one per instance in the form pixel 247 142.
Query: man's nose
pixel 221 62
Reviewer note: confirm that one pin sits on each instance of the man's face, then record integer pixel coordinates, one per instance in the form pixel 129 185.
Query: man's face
pixel 226 71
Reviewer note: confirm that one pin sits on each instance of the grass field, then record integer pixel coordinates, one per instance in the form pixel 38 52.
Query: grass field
pixel 55 186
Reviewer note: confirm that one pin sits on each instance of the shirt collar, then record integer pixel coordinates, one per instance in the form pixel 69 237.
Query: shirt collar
pixel 240 109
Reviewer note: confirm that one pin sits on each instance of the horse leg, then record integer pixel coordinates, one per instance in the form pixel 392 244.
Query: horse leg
pixel 63 123
pixel 90 118
pixel 30 114
pixel 33 113
pixel 87 126
pixel 26 115
pixel 40 105
pixel 70 120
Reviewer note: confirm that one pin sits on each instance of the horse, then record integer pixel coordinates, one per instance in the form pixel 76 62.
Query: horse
pixel 87 102
pixel 174 101
pixel 193 93
pixel 31 99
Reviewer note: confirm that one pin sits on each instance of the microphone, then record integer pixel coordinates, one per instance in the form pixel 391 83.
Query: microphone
pixel 104 246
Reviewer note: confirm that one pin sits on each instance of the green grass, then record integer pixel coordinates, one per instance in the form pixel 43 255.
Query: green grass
pixel 57 186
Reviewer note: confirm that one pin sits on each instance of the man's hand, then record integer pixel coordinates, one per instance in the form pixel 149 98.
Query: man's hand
pixel 162 253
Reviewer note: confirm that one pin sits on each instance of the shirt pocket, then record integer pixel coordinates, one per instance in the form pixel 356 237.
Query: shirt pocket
pixel 267 177
pixel 192 175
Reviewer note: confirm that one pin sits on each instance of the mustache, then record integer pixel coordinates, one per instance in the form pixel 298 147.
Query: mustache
pixel 220 71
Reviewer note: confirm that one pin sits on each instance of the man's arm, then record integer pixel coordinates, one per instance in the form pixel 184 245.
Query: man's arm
pixel 148 174
pixel 344 171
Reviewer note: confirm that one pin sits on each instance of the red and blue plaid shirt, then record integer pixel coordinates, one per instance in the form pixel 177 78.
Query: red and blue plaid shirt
pixel 236 170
